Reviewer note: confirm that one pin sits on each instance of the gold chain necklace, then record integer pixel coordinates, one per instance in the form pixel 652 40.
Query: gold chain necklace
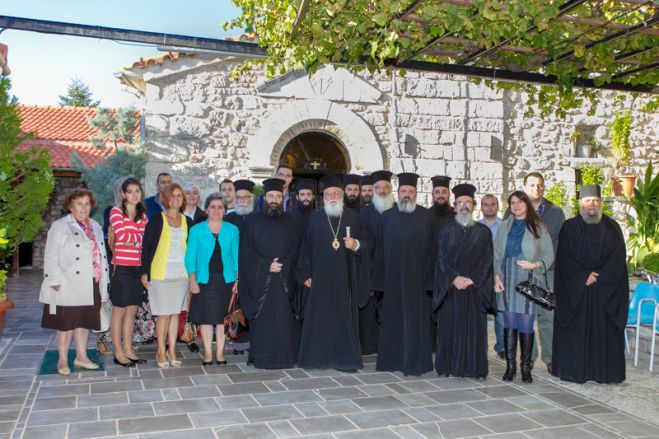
pixel 335 243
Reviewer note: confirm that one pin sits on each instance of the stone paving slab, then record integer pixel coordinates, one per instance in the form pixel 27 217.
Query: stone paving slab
pixel 239 401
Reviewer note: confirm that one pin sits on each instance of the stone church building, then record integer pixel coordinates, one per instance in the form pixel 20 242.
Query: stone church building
pixel 202 125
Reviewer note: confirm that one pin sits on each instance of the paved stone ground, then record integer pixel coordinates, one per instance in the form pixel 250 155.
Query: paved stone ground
pixel 238 401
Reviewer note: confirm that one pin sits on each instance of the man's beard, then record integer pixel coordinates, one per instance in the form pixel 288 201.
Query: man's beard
pixel 383 203
pixel 465 219
pixel 406 206
pixel 441 209
pixel 590 219
pixel 244 210
pixel 334 209
pixel 306 205
pixel 275 210
pixel 366 199
pixel 351 200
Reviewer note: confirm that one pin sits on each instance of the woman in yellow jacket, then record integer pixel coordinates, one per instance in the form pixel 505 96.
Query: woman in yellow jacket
pixel 163 271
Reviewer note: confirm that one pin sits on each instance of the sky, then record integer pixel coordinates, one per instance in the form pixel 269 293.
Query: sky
pixel 43 64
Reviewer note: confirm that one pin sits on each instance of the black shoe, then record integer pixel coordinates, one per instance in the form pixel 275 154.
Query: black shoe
pixel 502 355
pixel 129 364
pixel 510 352
pixel 220 363
pixel 237 352
pixel 194 347
pixel 137 360
pixel 206 363
pixel 526 345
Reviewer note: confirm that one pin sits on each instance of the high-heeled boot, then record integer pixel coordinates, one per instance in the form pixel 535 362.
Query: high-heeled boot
pixel 526 345
pixel 510 348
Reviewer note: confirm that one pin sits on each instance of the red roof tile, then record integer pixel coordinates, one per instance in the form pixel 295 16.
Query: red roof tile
pixel 62 130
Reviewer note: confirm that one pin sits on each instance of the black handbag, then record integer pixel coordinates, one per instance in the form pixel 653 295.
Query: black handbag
pixel 543 297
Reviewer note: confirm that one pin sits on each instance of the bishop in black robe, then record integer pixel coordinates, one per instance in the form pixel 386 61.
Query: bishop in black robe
pixel 330 337
pixel 464 252
pixel 404 274
pixel 589 320
pixel 265 294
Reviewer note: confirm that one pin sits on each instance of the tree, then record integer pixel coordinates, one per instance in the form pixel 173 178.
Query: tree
pixel 116 128
pixel 26 179
pixel 78 94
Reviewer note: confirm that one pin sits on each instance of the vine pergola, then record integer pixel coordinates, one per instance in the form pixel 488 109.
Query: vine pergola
pixel 575 45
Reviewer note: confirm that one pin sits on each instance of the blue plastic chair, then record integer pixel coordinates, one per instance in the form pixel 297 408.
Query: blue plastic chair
pixel 655 331
pixel 641 310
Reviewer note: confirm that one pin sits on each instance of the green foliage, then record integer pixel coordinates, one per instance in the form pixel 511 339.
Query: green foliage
pixel 258 191
pixel 3 273
pixel 78 94
pixel 374 35
pixel 593 174
pixel 26 179
pixel 651 263
pixel 644 225
pixel 558 194
pixel 129 160
pixel 620 136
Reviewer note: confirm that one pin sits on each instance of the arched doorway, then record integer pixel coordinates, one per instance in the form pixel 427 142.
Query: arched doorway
pixel 313 154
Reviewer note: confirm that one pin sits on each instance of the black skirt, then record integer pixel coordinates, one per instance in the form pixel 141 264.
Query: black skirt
pixel 209 306
pixel 125 286
pixel 67 318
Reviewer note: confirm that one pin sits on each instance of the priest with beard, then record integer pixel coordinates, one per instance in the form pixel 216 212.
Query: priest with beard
pixel 366 190
pixel 305 201
pixel 351 189
pixel 383 199
pixel 269 244
pixel 441 207
pixel 330 265
pixel 243 206
pixel 404 273
pixel 592 295
pixel 463 291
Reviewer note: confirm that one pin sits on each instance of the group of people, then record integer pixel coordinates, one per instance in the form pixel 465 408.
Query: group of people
pixel 356 271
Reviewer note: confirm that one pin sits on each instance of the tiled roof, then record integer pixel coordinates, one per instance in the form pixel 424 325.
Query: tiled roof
pixel 62 130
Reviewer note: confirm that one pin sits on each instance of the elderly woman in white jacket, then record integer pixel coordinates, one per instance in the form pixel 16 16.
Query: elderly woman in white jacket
pixel 75 279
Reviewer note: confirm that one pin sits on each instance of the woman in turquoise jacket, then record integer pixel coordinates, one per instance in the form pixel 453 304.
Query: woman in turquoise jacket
pixel 211 261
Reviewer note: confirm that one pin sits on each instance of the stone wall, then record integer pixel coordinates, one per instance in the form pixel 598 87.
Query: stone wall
pixel 203 125
pixel 55 210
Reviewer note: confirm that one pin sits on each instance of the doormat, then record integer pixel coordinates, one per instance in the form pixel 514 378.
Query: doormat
pixel 49 362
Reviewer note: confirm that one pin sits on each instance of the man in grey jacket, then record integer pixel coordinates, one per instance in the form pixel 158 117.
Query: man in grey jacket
pixel 553 217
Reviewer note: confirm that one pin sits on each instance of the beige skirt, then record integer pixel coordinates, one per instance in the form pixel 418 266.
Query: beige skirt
pixel 168 297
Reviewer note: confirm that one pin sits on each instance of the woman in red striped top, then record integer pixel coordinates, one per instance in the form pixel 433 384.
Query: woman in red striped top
pixel 126 291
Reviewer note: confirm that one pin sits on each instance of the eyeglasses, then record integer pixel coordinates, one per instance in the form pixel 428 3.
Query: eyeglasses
pixel 245 198
pixel 464 203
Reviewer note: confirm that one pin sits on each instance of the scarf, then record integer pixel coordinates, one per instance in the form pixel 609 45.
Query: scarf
pixel 515 237
pixel 96 252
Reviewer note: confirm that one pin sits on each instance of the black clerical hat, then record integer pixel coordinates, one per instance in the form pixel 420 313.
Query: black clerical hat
pixel 407 179
pixel 246 185
pixel 366 180
pixel 381 176
pixel 350 179
pixel 590 190
pixel 329 181
pixel 273 184
pixel 440 180
pixel 464 189
pixel 304 183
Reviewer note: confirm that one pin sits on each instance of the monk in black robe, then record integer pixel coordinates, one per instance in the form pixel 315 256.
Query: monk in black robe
pixel 441 206
pixel 243 206
pixel 365 190
pixel 306 198
pixel 370 216
pixel 329 265
pixel 592 295
pixel 463 291
pixel 352 192
pixel 269 246
pixel 404 274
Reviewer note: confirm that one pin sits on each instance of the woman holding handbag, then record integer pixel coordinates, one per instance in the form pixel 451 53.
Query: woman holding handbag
pixel 522 250
pixel 211 260
pixel 163 271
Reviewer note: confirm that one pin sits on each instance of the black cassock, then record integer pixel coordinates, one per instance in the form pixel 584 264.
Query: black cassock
pixel 330 337
pixel 265 296
pixel 462 314
pixel 369 309
pixel 444 214
pixel 589 321
pixel 404 273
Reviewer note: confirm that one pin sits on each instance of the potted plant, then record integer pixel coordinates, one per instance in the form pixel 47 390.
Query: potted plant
pixel 650 267
pixel 5 303
pixel 621 150
pixel 644 223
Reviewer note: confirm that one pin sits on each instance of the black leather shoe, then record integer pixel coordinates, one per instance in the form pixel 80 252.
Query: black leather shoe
pixel 220 363
pixel 206 363
pixel 237 352
pixel 502 355
pixel 129 364
pixel 526 344
pixel 549 369
pixel 510 352
pixel 137 360
pixel 194 347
